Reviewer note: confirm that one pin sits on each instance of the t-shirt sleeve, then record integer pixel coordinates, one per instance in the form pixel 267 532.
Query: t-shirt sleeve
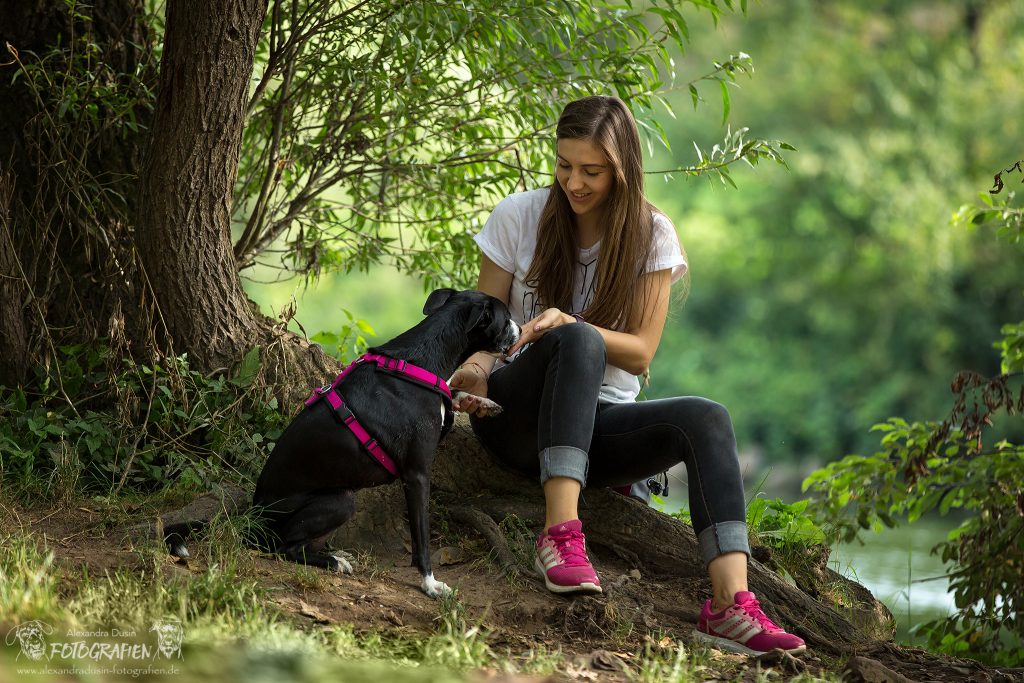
pixel 666 251
pixel 499 238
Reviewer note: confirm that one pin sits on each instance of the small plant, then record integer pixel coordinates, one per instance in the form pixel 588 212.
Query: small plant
pixel 101 424
pixel 28 581
pixel 668 661
pixel 368 564
pixel 456 645
pixel 308 579
pixel 778 524
pixel 520 539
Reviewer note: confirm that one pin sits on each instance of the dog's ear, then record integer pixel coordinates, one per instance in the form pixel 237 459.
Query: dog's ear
pixel 436 300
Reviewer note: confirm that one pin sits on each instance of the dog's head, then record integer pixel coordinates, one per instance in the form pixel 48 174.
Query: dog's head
pixel 169 635
pixel 30 637
pixel 488 326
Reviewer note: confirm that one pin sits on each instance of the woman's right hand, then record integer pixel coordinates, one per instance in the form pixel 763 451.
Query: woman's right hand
pixel 472 380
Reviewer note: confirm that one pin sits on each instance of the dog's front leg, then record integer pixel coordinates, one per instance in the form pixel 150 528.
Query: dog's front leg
pixel 417 496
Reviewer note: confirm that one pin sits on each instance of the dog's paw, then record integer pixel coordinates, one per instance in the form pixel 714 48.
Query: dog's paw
pixel 491 409
pixel 434 588
pixel 176 546
pixel 478 405
pixel 340 564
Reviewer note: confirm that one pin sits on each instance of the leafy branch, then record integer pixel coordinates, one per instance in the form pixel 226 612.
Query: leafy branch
pixel 398 121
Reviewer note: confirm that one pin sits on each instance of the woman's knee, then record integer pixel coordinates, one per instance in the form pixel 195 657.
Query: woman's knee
pixel 700 419
pixel 580 340
pixel 717 418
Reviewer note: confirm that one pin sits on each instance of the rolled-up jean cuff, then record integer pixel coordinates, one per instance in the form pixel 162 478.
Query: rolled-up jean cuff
pixel 730 537
pixel 564 461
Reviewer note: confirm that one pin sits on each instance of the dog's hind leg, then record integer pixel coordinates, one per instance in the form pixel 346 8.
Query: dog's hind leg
pixel 304 530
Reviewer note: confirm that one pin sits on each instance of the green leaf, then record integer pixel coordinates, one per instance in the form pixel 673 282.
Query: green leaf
pixel 248 369
pixel 725 101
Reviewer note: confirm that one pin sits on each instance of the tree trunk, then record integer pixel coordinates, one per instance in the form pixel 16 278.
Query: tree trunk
pixel 14 295
pixel 74 186
pixel 183 222
pixel 67 172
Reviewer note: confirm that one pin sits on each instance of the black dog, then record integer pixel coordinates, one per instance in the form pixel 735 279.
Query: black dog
pixel 306 489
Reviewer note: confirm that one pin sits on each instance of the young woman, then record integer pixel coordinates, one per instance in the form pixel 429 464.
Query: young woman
pixel 586 266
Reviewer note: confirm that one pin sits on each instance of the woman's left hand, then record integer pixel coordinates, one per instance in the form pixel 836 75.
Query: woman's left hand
pixel 539 326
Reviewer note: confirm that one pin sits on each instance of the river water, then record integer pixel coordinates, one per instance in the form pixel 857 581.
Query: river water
pixel 897 566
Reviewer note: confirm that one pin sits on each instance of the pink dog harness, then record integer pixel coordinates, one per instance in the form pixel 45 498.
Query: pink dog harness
pixel 397 368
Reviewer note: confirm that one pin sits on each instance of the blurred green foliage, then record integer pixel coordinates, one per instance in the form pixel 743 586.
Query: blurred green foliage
pixel 826 297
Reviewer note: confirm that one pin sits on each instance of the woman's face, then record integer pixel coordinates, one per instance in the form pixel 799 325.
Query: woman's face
pixel 584 174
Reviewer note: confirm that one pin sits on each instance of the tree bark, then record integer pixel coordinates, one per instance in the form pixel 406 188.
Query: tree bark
pixel 68 175
pixel 14 295
pixel 183 222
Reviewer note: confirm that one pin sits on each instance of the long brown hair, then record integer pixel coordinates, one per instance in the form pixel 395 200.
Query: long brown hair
pixel 628 230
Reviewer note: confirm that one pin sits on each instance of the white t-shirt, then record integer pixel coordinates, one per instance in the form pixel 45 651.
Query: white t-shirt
pixel 509 238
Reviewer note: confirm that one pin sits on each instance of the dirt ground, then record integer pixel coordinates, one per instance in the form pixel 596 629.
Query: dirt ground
pixel 602 637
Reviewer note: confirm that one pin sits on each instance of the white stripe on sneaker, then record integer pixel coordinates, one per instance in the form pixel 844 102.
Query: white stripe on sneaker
pixel 728 625
pixel 549 557
pixel 751 631
pixel 737 627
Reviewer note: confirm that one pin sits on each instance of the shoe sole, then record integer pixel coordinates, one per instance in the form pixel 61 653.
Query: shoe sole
pixel 740 648
pixel 585 587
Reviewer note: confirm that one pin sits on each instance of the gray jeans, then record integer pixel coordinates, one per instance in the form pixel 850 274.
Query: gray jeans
pixel 553 426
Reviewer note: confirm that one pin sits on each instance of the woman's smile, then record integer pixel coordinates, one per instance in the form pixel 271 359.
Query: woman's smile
pixel 583 174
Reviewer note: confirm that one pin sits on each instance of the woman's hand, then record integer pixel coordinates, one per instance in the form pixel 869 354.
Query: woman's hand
pixel 471 379
pixel 539 326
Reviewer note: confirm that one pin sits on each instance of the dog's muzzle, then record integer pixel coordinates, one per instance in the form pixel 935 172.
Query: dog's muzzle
pixel 509 337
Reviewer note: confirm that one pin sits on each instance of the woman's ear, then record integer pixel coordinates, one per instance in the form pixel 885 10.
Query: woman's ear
pixel 436 300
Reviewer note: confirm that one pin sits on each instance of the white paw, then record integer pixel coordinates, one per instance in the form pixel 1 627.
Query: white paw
pixel 344 566
pixel 492 408
pixel 479 405
pixel 434 588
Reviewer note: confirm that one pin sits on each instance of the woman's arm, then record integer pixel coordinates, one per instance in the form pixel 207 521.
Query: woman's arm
pixel 631 349
pixel 497 282
pixel 472 376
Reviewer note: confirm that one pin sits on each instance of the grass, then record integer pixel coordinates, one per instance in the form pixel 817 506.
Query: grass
pixel 233 631
pixel 28 581
pixel 673 662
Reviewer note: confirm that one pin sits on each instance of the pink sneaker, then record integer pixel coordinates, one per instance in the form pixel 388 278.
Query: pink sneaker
pixel 562 560
pixel 744 628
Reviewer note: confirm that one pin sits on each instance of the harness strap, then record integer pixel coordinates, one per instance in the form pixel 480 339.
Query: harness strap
pixel 393 366
pixel 369 443
pixel 422 378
